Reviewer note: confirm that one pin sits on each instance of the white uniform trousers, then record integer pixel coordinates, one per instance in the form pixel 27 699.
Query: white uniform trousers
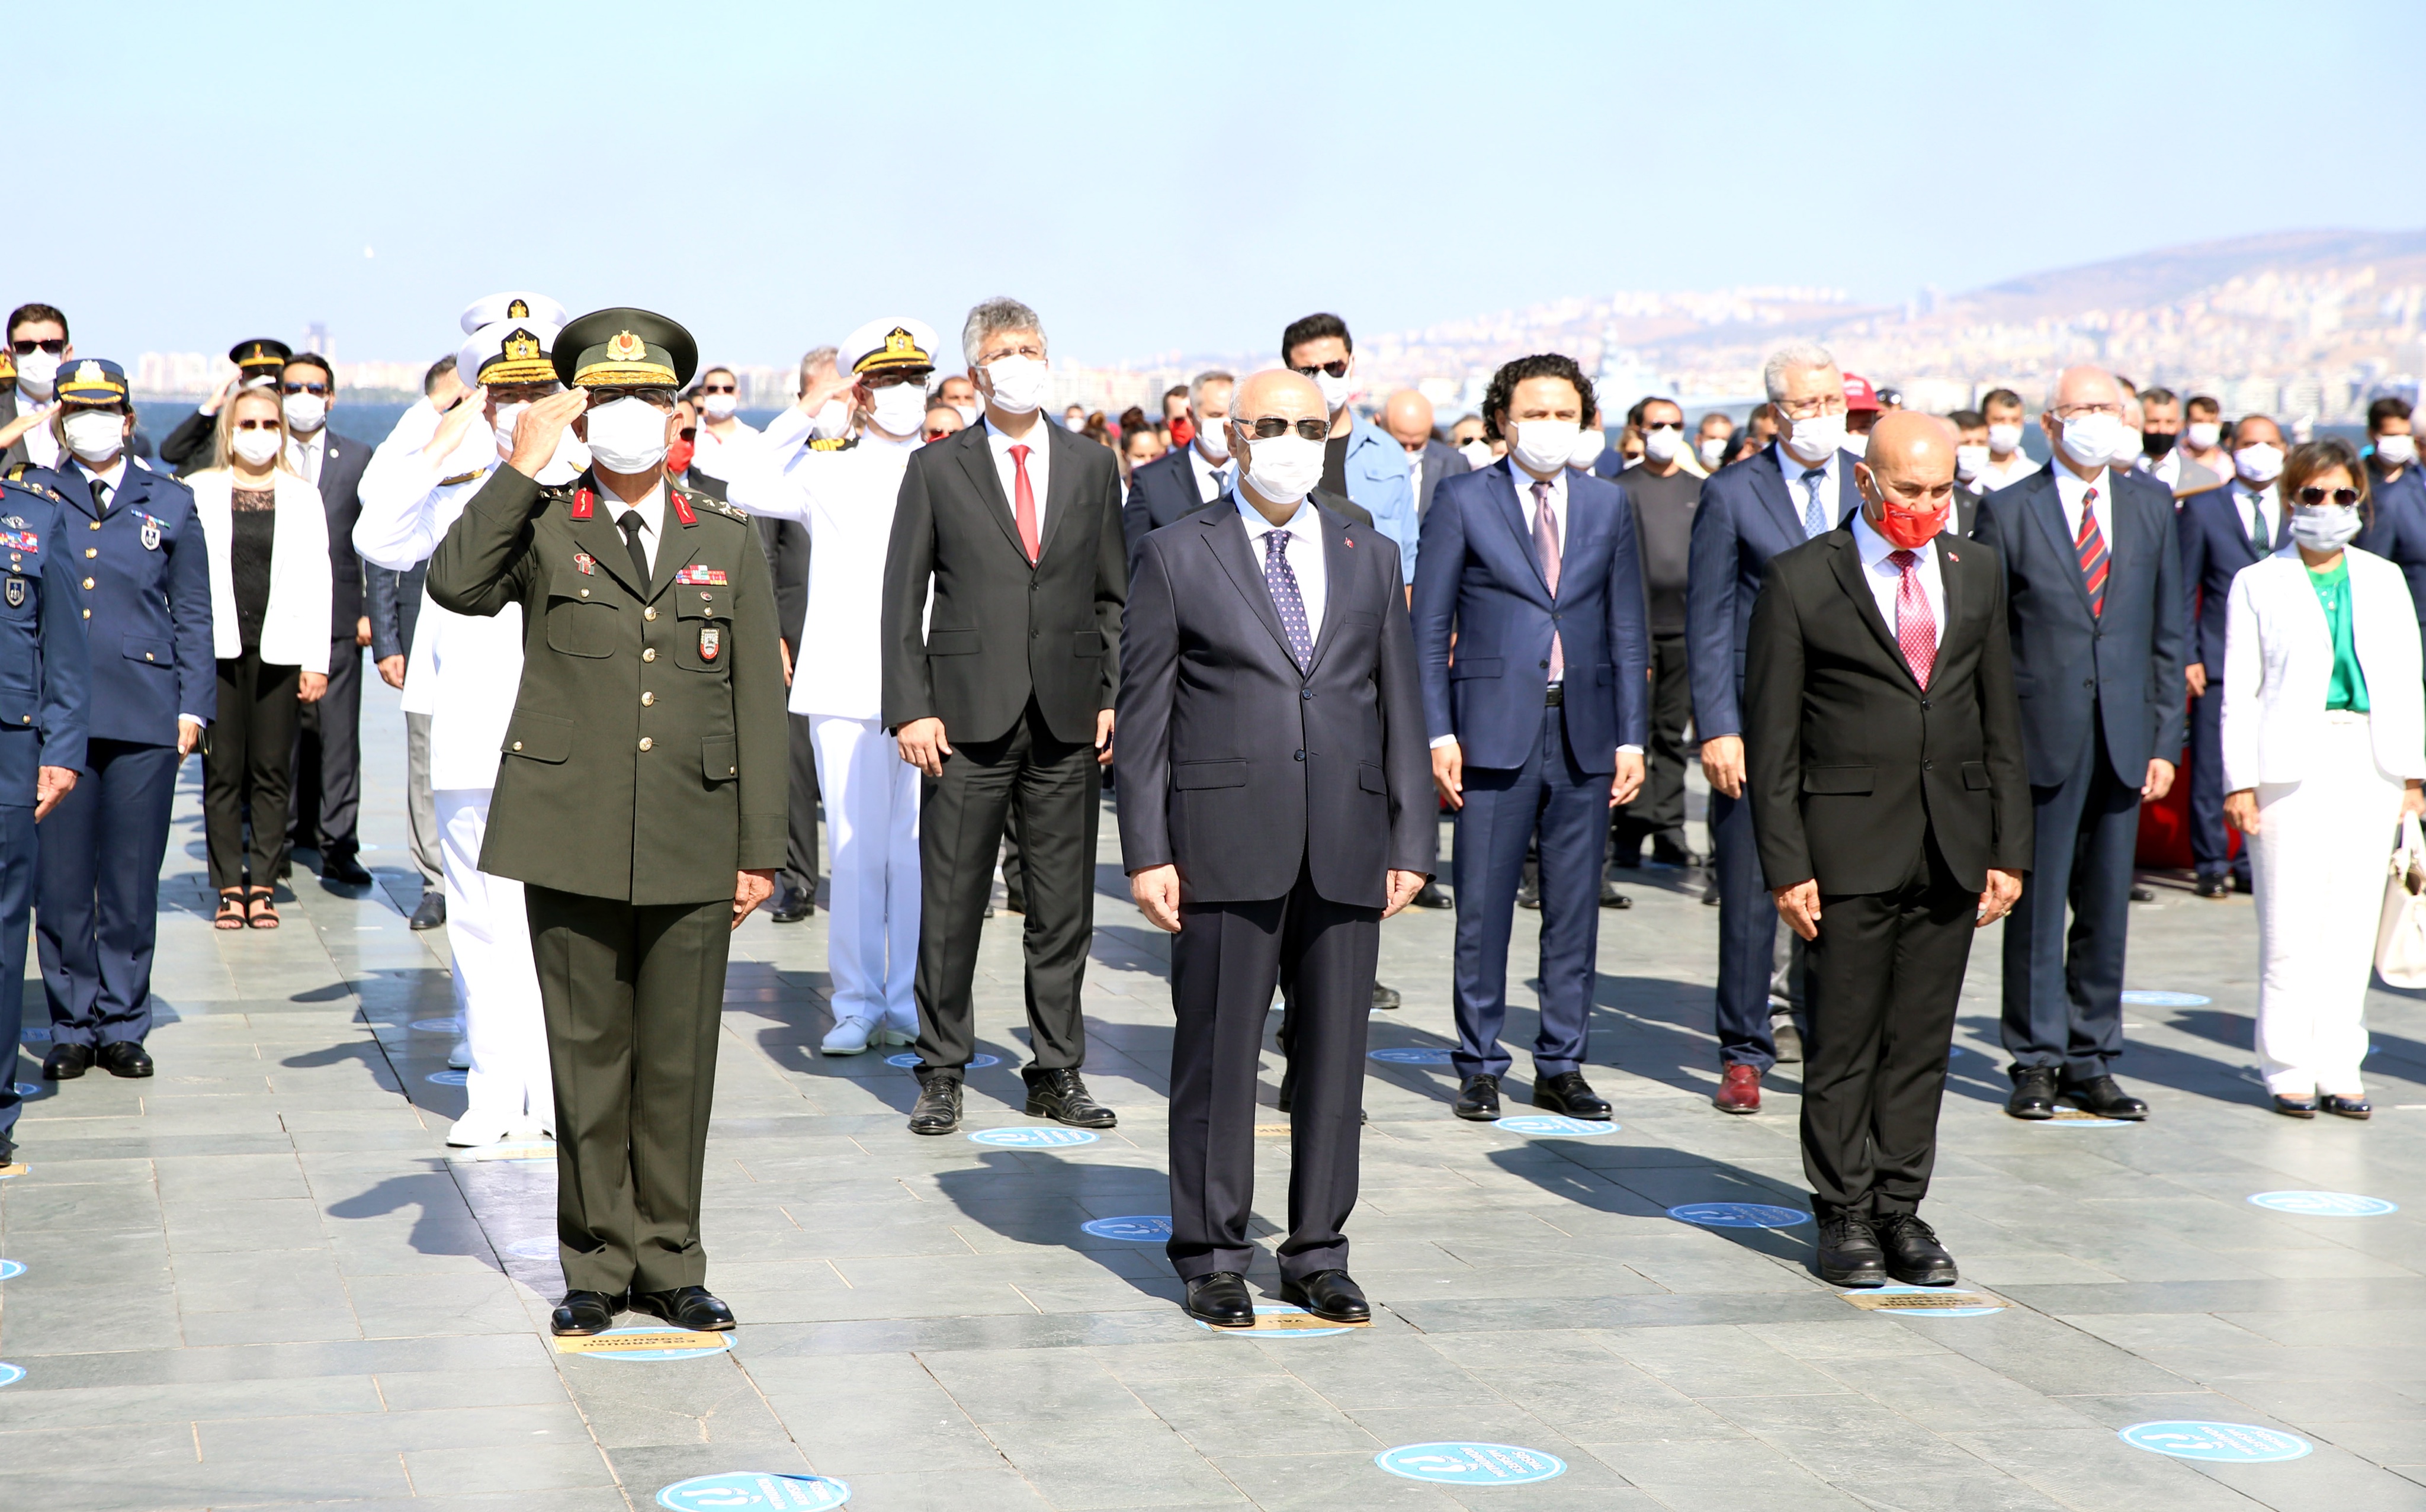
pixel 871 802
pixel 2318 869
pixel 496 987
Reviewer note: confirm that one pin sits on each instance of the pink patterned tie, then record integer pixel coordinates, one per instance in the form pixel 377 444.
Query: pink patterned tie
pixel 1915 627
pixel 1546 541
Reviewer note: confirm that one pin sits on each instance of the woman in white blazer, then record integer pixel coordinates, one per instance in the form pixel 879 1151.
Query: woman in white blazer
pixel 2324 744
pixel 271 591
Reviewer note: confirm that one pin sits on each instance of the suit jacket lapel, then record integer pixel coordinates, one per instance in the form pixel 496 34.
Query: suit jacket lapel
pixel 1512 509
pixel 1338 561
pixel 1769 482
pixel 1227 535
pixel 977 460
pixel 1950 562
pixel 1846 558
pixel 76 490
pixel 677 545
pixel 2047 507
pixel 600 537
pixel 1061 485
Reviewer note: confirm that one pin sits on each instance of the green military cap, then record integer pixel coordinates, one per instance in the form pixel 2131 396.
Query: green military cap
pixel 623 348
pixel 260 357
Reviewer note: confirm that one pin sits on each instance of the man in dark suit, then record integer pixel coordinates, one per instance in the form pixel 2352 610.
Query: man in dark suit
pixel 1187 478
pixel 1539 724
pixel 1886 777
pixel 1275 809
pixel 327 760
pixel 192 446
pixel 2094 594
pixel 787 557
pixel 38 346
pixel 1407 415
pixel 2222 531
pixel 1002 692
pixel 1796 489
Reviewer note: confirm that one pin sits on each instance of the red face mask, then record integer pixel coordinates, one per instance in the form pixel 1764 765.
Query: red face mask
pixel 1911 529
pixel 1181 431
pixel 678 455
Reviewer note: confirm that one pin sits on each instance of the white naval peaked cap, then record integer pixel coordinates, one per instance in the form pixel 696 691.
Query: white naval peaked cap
pixel 510 351
pixel 492 307
pixel 881 345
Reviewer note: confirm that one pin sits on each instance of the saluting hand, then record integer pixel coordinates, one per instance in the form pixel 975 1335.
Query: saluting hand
pixel 52 783
pixel 542 427
pixel 453 423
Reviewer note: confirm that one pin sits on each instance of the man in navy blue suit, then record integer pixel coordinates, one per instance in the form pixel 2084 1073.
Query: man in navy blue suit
pixel 1794 489
pixel 1539 723
pixel 1187 478
pixel 2093 596
pixel 2222 531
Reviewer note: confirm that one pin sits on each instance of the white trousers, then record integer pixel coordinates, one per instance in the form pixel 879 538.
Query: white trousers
pixel 2318 867
pixel 496 987
pixel 872 801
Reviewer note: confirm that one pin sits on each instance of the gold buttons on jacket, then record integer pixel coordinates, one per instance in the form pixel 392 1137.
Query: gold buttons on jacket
pixel 648 655
pixel 647 698
pixel 96 525
pixel 87 582
pixel 646 743
pixel 518 744
pixel 147 655
pixel 648 613
pixel 585 593
pixel 92 551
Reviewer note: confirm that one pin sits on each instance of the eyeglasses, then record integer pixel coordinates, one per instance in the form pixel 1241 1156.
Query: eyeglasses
pixel 256 423
pixel 2313 496
pixel 2081 411
pixel 27 347
pixel 321 388
pixel 1826 404
pixel 657 398
pixel 1272 426
pixel 1336 368
pixel 1666 425
pixel 895 378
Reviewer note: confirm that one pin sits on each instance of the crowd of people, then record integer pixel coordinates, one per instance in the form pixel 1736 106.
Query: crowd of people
pixel 643 647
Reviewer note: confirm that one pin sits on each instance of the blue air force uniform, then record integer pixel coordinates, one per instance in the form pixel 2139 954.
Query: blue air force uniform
pixel 139 575
pixel 44 697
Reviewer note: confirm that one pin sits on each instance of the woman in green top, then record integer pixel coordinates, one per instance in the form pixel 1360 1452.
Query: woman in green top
pixel 2324 746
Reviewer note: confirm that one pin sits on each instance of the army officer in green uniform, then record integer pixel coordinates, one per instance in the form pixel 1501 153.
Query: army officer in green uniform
pixel 639 797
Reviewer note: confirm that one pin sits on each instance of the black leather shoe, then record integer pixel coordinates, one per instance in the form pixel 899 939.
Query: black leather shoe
pixel 1428 896
pixel 1478 1098
pixel 2333 1103
pixel 1786 1039
pixel 1384 998
pixel 2240 883
pixel 795 908
pixel 585 1312
pixel 1570 1094
pixel 938 1108
pixel 1528 894
pixel 432 911
pixel 2294 1107
pixel 345 869
pixel 1611 898
pixel 1014 900
pixel 2212 887
pixel 685 1307
pixel 1849 1254
pixel 1221 1299
pixel 2033 1093
pixel 2143 894
pixel 1914 1255
pixel 1062 1097
pixel 2105 1097
pixel 65 1063
pixel 1668 853
pixel 1329 1294
pixel 124 1058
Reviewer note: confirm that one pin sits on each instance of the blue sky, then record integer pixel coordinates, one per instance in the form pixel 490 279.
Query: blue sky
pixel 1152 177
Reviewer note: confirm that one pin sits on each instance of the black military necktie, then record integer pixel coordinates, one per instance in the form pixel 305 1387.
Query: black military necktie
pixel 629 521
pixel 100 498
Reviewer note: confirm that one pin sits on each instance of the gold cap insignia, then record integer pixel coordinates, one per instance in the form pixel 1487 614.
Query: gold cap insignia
pixel 517 310
pixel 625 347
pixel 521 345
pixel 91 371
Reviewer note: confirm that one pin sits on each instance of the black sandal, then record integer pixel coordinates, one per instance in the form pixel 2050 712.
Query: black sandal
pixel 2346 1107
pixel 230 914
pixel 259 911
pixel 2297 1107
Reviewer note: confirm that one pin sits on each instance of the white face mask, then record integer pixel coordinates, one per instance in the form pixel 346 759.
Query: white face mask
pixel 2089 439
pixel 1543 445
pixel 36 368
pixel 1817 439
pixel 1213 438
pixel 2004 438
pixel 94 435
pixel 1663 442
pixel 899 410
pixel 1969 462
pixel 305 412
pixel 258 448
pixel 2395 451
pixel 2202 435
pixel 1589 443
pixel 1020 383
pixel 968 413
pixel 1476 452
pixel 1712 448
pixel 627 436
pixel 1336 390
pixel 2323 527
pixel 2259 464
pixel 1286 468
pixel 719 406
pixel 503 426
pixel 2129 445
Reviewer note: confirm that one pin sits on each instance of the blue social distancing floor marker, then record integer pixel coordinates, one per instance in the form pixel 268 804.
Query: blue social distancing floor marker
pixel 1924 1301
pixel 1034 1138
pixel 438 1026
pixel 1456 1463
pixel 533 1248
pixel 10 1375
pixel 11 1269
pixel 1738 1216
pixel 2217 1443
pixel 2165 1000
pixel 1281 1321
pixel 750 1491
pixel 1143 1229
pixel 1554 1123
pixel 2325 1204
pixel 908 1058
pixel 447 1078
pixel 27 1088
pixel 1412 1057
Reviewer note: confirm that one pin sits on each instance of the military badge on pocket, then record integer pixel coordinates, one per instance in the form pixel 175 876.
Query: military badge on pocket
pixel 711 641
pixel 16 592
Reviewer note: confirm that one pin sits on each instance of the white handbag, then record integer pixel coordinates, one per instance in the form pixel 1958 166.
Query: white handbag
pixel 2401 932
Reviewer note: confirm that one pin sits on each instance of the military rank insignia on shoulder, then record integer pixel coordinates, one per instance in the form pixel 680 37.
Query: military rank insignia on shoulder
pixel 834 443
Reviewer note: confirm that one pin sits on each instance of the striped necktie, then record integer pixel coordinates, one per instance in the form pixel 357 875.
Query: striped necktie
pixel 2091 547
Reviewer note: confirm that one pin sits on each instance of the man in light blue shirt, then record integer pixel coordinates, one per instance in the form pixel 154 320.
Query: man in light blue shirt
pixel 1361 461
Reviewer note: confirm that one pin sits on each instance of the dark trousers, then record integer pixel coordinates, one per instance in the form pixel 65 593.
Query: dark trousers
pixel 327 803
pixel 632 996
pixel 800 878
pixel 1747 938
pixel 251 742
pixel 1657 812
pixel 16 907
pixel 2210 846
pixel 1886 976
pixel 1223 966
pixel 1052 786
pixel 2064 988
pixel 98 892
pixel 1568 809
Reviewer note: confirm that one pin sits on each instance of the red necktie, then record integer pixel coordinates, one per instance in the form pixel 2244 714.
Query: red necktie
pixel 1023 510
pixel 2091 544
pixel 1915 627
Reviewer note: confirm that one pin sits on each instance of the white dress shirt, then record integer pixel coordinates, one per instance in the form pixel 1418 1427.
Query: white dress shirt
pixel 1556 503
pixel 1305 553
pixel 2070 490
pixel 1415 474
pixel 726 456
pixel 43 449
pixel 2005 473
pixel 1886 579
pixel 2247 501
pixel 1039 462
pixel 653 518
pixel 1831 487
pixel 305 454
pixel 110 477
pixel 1208 487
pixel 2166 468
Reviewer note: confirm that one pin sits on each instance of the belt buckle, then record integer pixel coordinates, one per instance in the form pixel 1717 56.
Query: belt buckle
pixel 1555 695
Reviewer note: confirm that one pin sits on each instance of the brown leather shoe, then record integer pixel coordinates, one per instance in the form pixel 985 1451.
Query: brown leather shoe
pixel 1741 1091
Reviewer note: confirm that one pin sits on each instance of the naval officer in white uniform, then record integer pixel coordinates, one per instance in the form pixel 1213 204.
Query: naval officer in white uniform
pixel 845 495
pixel 464 673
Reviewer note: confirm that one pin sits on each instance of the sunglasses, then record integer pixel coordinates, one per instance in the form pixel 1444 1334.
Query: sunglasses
pixel 2345 497
pixel 1336 369
pixel 27 347
pixel 718 388
pixel 1271 426
pixel 321 388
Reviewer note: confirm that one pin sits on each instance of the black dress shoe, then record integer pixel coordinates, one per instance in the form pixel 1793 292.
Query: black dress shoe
pixel 1786 1040
pixel 1221 1299
pixel 65 1063
pixel 2143 894
pixel 1849 1254
pixel 1329 1294
pixel 2294 1107
pixel 2105 1097
pixel 1528 894
pixel 1914 1255
pixel 1478 1098
pixel 1384 998
pixel 796 906
pixel 344 869
pixel 124 1058
pixel 685 1307
pixel 1710 894
pixel 1570 1094
pixel 1428 896
pixel 1668 853
pixel 2033 1093
pixel 2240 883
pixel 2333 1103
pixel 938 1108
pixel 1014 900
pixel 1062 1097
pixel 2212 887
pixel 432 911
pixel 585 1312
pixel 1611 898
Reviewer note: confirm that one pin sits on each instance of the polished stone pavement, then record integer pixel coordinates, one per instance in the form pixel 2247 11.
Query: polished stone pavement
pixel 260 1278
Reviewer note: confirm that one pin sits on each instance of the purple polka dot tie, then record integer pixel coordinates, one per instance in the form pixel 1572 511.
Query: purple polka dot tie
pixel 1282 580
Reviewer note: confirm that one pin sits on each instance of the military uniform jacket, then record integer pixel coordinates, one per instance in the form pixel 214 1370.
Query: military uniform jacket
pixel 45 675
pixel 648 756
pixel 143 585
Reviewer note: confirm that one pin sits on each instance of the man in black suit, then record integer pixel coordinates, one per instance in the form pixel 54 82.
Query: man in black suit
pixel 1407 415
pixel 1001 691
pixel 328 761
pixel 260 364
pixel 2094 593
pixel 787 557
pixel 1186 480
pixel 1275 806
pixel 1884 767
